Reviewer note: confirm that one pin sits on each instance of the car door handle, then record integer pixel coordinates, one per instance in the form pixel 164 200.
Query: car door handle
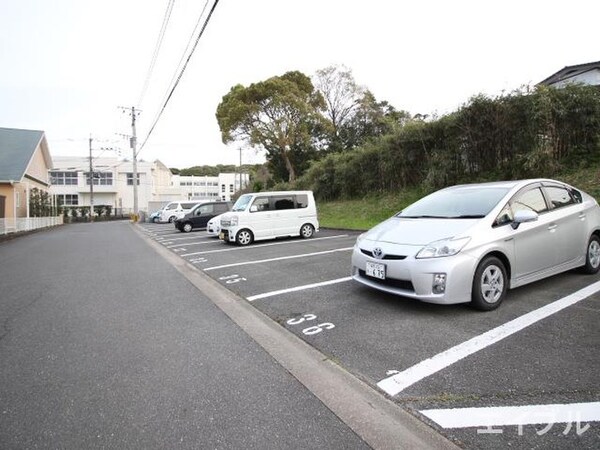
pixel 581 216
pixel 552 227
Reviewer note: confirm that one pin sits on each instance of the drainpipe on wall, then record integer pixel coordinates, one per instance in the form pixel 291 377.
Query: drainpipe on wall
pixel 27 199
pixel 12 183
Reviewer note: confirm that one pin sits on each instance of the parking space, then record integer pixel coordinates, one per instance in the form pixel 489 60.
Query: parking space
pixel 539 348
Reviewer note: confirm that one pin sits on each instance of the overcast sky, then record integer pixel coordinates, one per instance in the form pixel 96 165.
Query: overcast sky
pixel 67 65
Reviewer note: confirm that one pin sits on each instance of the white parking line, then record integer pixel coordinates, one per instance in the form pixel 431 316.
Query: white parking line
pixel 297 288
pixel 188 243
pixel 279 259
pixel 514 415
pixel 168 232
pixel 249 247
pixel 397 383
pixel 187 237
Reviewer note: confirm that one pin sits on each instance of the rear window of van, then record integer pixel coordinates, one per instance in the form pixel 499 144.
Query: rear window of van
pixel 302 201
pixel 283 202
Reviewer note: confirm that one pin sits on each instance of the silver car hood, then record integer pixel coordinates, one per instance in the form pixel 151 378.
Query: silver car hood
pixel 418 232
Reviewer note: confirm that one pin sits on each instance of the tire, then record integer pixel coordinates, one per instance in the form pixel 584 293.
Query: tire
pixel 490 284
pixel 592 256
pixel 307 231
pixel 171 219
pixel 244 237
pixel 187 227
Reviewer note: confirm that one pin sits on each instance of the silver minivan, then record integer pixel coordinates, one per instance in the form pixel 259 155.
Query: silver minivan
pixel 176 210
pixel 268 215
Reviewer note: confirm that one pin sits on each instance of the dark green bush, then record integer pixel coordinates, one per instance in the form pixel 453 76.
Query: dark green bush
pixel 527 133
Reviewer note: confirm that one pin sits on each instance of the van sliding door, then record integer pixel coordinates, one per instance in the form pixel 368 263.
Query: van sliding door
pixel 284 215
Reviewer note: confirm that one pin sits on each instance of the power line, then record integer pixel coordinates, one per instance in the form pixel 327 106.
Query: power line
pixel 179 76
pixel 187 47
pixel 159 41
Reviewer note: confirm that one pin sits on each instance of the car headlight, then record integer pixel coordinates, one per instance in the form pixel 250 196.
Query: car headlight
pixel 360 238
pixel 442 248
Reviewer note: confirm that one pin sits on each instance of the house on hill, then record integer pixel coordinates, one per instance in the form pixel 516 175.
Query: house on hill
pixel 24 164
pixel 588 73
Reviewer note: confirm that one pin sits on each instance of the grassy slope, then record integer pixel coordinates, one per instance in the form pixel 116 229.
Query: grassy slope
pixel 365 213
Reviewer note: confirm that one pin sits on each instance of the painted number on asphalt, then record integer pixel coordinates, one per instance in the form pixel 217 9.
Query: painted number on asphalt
pixel 311 330
pixel 301 319
pixel 231 279
pixel 318 328
pixel 198 260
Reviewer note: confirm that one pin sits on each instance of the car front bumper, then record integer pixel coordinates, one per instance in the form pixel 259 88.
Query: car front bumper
pixel 213 229
pixel 227 234
pixel 415 278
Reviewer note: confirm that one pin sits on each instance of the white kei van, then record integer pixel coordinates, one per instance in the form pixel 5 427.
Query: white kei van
pixel 176 210
pixel 268 215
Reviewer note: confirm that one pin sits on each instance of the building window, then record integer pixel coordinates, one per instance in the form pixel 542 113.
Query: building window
pixel 18 200
pixel 130 179
pixel 222 188
pixel 231 188
pixel 100 178
pixel 63 178
pixel 67 199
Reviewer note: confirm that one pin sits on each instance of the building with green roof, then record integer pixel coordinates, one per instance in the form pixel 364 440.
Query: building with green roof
pixel 25 162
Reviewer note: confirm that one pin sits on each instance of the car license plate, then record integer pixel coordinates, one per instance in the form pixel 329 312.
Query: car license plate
pixel 222 236
pixel 375 270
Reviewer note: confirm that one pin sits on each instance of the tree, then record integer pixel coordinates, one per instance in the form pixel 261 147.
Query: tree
pixel 280 115
pixel 371 119
pixel 342 96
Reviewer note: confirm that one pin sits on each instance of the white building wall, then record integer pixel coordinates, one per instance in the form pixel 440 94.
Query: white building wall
pixel 197 187
pixel 145 185
pixel 162 180
pixel 221 187
pixel 229 184
pixel 157 184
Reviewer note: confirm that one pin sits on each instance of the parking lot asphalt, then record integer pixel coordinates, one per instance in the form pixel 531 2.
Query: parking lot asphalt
pixel 103 344
pixel 538 351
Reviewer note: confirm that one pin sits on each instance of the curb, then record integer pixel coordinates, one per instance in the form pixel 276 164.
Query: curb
pixel 380 422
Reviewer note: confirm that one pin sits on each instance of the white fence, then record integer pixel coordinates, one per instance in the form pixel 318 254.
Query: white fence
pixel 28 223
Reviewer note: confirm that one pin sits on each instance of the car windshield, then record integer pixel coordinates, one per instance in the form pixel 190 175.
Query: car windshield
pixel 242 203
pixel 461 203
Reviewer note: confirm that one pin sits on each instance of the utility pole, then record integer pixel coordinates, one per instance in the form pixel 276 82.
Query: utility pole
pixel 240 187
pixel 133 145
pixel 135 174
pixel 91 183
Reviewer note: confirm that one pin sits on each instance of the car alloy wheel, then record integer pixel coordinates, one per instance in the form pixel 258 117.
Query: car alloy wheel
pixel 489 284
pixel 592 259
pixel 187 227
pixel 244 237
pixel 307 231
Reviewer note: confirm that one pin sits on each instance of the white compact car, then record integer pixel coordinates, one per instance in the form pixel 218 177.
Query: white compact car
pixel 176 210
pixel 213 227
pixel 470 243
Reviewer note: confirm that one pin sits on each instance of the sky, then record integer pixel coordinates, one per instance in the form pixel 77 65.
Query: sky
pixel 67 66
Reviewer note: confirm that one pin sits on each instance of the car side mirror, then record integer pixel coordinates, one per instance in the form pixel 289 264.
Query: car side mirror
pixel 253 208
pixel 523 216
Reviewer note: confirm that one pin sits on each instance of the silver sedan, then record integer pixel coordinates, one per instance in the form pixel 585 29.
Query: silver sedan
pixel 471 243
